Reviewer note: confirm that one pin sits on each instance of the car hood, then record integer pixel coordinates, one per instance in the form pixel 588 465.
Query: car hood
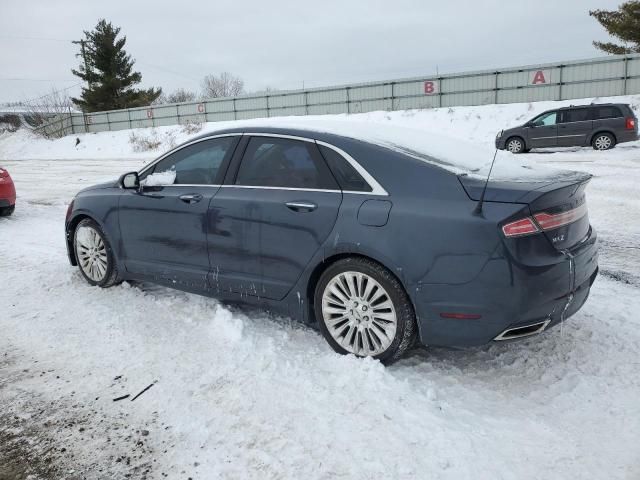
pixel 100 186
pixel 508 131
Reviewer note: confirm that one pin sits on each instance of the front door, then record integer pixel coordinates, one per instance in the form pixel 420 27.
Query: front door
pixel 543 130
pixel 575 127
pixel 278 205
pixel 164 224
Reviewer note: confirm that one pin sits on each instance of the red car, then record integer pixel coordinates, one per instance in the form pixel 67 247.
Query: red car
pixel 7 194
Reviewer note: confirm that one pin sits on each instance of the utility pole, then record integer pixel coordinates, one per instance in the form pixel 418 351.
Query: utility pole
pixel 84 58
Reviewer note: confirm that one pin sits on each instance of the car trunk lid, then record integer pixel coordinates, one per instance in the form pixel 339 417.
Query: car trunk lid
pixel 557 209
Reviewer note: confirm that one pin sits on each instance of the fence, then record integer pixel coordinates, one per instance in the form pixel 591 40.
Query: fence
pixel 604 76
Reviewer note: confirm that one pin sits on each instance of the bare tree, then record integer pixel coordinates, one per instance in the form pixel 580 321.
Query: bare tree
pixel 177 96
pixel 223 85
pixel 53 105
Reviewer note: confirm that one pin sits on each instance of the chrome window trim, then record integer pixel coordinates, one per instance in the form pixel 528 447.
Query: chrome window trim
pixel 376 188
pixel 279 135
pixel 263 187
pixel 296 189
pixel 180 147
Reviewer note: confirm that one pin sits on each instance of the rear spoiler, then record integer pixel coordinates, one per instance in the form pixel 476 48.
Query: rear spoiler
pixel 525 192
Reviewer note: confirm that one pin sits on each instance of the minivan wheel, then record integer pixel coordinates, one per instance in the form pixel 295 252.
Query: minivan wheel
pixel 362 309
pixel 515 145
pixel 603 141
pixel 94 254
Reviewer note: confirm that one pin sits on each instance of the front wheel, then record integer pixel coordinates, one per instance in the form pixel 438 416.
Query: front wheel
pixel 363 309
pixel 515 145
pixel 94 255
pixel 603 141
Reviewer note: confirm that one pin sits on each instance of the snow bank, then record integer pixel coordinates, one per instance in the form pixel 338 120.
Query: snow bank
pixel 244 395
pixel 457 138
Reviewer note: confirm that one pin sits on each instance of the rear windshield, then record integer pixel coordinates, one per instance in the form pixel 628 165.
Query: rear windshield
pixel 608 111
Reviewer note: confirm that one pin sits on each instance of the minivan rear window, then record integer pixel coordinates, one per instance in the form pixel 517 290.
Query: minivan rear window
pixel 607 112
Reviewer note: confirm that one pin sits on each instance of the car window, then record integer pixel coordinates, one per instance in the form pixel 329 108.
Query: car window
pixel 347 176
pixel 280 162
pixel 548 118
pixel 196 164
pixel 606 112
pixel 576 115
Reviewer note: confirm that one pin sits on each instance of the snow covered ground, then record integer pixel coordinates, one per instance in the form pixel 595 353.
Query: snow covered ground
pixel 242 395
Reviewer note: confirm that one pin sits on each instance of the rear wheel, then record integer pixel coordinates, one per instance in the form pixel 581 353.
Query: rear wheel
pixel 6 211
pixel 603 141
pixel 515 145
pixel 362 309
pixel 94 254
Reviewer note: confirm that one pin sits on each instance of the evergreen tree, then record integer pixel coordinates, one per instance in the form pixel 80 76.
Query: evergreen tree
pixel 108 71
pixel 624 24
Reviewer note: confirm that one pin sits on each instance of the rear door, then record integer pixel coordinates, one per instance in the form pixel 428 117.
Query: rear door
pixel 163 225
pixel 279 203
pixel 543 130
pixel 609 117
pixel 575 127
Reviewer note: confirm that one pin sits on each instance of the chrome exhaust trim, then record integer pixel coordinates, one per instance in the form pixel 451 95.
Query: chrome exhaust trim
pixel 525 331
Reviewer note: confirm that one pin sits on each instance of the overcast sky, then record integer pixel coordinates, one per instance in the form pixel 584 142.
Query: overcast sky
pixel 282 44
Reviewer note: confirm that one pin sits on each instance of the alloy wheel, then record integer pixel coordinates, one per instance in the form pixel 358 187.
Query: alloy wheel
pixel 603 142
pixel 359 314
pixel 514 146
pixel 91 253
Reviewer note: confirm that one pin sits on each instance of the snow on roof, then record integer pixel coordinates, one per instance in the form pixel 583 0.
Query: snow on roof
pixel 454 154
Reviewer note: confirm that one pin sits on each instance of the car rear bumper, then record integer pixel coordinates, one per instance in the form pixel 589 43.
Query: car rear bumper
pixel 7 194
pixel 626 136
pixel 507 295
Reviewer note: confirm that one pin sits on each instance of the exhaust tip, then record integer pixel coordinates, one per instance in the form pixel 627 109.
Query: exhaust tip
pixel 519 332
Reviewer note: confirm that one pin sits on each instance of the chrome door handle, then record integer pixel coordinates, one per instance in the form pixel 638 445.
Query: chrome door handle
pixel 301 206
pixel 191 198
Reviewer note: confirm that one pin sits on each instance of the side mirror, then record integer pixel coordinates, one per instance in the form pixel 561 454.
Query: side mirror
pixel 129 181
pixel 534 124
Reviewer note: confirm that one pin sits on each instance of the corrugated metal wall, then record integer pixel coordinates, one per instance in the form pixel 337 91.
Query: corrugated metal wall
pixel 599 77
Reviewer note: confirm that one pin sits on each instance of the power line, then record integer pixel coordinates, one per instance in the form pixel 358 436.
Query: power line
pixel 21 37
pixel 46 95
pixel 11 79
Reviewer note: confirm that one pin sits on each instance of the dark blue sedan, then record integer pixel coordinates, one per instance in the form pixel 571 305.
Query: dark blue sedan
pixel 373 244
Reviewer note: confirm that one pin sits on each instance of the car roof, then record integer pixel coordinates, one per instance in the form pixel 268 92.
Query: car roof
pixel 593 105
pixel 294 132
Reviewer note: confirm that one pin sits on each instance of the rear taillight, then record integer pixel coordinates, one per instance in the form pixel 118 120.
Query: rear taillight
pixel 524 226
pixel 3 173
pixel 543 221
pixel 549 221
pixel 630 123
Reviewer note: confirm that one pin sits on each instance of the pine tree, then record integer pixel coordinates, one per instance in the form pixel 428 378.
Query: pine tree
pixel 624 24
pixel 108 71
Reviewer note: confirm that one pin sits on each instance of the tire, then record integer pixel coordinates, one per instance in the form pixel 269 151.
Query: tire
pixel 94 255
pixel 603 141
pixel 341 310
pixel 7 211
pixel 515 145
